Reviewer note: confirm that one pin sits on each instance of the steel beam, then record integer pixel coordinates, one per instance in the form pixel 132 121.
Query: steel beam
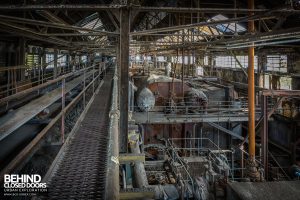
pixel 49 24
pixel 63 7
pixel 17 30
pixel 226 130
pixel 124 56
pixel 200 24
pixel 282 93
pixel 93 7
pixel 212 10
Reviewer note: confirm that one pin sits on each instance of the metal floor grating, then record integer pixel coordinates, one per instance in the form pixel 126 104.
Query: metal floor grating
pixel 82 172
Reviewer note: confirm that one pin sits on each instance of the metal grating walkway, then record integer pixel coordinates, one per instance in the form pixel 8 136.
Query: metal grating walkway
pixel 82 172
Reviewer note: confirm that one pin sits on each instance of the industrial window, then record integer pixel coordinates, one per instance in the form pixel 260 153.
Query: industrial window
pixel 277 63
pixel 32 60
pixel 49 60
pixel 285 82
pixel 231 62
pixel 161 59
pixel 227 28
pixel 62 60
pixel 183 59
pixel 206 60
pixel 83 59
pixel 91 22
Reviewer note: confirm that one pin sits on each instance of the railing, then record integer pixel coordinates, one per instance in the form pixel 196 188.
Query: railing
pixel 49 82
pixel 41 76
pixel 32 146
pixel 214 109
pixel 206 147
pixel 175 157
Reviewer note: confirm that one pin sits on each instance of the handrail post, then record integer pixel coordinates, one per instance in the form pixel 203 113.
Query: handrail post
pixel 63 83
pixel 84 74
pixel 93 79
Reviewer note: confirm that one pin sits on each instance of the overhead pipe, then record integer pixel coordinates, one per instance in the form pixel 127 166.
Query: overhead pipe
pixel 266 43
pixel 140 176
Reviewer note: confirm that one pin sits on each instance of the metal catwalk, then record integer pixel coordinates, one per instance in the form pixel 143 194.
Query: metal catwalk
pixel 82 172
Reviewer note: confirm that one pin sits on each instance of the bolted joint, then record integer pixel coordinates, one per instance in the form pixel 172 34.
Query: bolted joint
pixel 252 170
pixel 115 78
pixel 114 113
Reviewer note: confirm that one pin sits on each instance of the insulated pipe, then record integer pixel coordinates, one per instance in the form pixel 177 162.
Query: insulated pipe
pixel 139 171
pixel 251 88
pixel 112 179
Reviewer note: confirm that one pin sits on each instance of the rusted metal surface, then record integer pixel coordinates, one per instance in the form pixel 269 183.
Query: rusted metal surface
pixel 251 87
pixel 281 93
pixel 162 89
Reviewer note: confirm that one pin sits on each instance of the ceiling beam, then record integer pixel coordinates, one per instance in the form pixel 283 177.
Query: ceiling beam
pixel 208 23
pixel 97 7
pixel 52 25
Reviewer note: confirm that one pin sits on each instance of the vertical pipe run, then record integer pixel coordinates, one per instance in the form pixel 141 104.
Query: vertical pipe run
pixel 251 91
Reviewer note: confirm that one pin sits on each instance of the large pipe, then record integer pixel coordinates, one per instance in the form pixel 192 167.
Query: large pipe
pixel 140 176
pixel 251 88
pixel 112 183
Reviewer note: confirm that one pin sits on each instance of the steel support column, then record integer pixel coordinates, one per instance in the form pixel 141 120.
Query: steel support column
pixel 124 56
pixel 182 71
pixel 55 72
pixel 251 90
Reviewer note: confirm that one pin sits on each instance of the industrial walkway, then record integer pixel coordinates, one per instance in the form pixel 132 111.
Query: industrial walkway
pixel 81 174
